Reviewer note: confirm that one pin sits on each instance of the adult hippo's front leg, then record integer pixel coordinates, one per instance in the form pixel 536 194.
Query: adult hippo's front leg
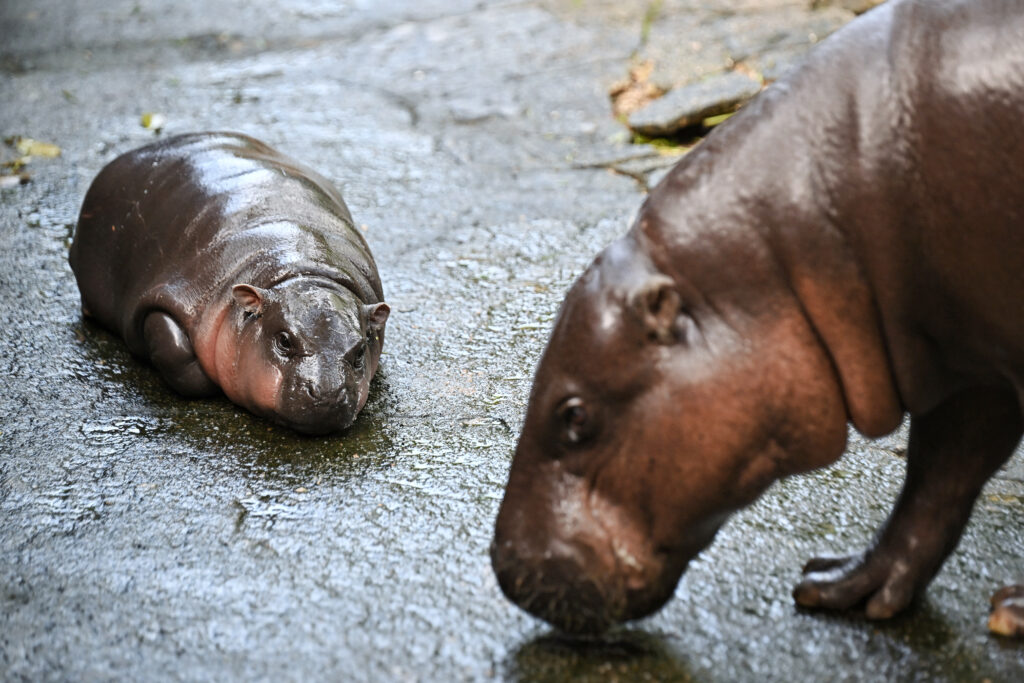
pixel 972 434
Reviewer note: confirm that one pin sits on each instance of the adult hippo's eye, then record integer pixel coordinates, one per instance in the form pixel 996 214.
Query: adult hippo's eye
pixel 575 420
pixel 284 344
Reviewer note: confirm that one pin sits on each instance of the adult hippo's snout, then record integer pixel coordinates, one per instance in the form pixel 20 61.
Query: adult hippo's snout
pixel 569 556
pixel 561 578
pixel 557 587
pixel 566 582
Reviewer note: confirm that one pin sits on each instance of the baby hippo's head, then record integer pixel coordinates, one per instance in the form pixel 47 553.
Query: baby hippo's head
pixel 308 348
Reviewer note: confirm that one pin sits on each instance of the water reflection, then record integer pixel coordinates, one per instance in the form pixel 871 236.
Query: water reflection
pixel 627 654
pixel 135 408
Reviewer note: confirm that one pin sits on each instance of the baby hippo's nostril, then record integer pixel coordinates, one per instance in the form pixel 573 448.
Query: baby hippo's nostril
pixel 323 394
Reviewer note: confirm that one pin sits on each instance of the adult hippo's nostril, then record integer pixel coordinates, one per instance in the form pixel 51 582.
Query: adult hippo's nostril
pixel 557 587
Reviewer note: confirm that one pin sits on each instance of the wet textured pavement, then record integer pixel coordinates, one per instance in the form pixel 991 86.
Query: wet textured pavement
pixel 144 536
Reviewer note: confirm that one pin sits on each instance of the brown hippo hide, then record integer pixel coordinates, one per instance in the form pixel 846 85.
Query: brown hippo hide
pixel 232 267
pixel 849 247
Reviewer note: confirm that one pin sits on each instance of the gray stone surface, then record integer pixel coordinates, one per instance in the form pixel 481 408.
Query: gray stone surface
pixel 687 46
pixel 698 51
pixel 691 104
pixel 143 537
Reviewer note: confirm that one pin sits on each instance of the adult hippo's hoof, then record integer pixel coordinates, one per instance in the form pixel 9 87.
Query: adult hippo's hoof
pixel 1007 617
pixel 232 267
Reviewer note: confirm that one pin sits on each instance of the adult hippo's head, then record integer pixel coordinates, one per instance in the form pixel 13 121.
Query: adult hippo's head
pixel 658 408
pixel 302 353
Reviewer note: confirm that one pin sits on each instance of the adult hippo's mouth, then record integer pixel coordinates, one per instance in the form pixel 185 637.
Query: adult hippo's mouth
pixel 586 566
pixel 561 587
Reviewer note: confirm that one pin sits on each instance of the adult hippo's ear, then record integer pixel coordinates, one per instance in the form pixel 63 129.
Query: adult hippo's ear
pixel 249 297
pixel 658 306
pixel 376 315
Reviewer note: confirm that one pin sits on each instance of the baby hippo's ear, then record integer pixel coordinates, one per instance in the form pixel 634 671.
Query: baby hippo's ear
pixel 657 304
pixel 376 315
pixel 249 297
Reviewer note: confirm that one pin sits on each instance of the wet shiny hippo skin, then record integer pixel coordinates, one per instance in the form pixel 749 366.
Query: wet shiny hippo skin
pixel 234 268
pixel 848 248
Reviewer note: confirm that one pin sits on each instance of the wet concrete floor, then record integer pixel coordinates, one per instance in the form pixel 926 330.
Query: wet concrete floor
pixel 147 537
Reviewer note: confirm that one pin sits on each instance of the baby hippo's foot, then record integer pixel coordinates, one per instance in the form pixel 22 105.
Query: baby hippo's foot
pixel 1007 617
pixel 885 584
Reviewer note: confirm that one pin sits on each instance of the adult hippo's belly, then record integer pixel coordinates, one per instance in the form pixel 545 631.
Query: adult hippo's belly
pixel 234 268
pixel 847 248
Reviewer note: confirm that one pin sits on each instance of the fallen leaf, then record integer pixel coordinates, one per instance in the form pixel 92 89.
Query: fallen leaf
pixel 713 121
pixel 35 148
pixel 153 121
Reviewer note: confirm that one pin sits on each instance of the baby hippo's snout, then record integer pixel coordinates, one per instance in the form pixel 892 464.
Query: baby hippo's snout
pixel 321 393
pixel 322 396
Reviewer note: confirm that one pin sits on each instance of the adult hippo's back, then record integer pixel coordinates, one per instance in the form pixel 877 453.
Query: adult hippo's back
pixel 229 265
pixel 848 247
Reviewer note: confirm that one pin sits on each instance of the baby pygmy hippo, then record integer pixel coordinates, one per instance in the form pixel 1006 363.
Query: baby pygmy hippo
pixel 234 268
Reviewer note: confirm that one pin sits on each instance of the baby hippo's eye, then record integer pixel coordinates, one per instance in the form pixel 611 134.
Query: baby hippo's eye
pixel 575 419
pixel 360 360
pixel 284 344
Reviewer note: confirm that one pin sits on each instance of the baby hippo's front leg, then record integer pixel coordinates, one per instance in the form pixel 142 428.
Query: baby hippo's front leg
pixel 171 352
pixel 953 450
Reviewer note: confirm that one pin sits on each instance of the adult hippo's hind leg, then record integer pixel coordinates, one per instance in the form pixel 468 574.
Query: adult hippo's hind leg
pixel 953 450
pixel 171 352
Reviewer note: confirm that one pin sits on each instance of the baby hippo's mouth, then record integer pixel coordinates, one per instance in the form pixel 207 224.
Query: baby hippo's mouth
pixel 318 413
pixel 319 425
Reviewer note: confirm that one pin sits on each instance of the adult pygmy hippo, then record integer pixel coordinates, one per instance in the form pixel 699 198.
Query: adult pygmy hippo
pixel 848 247
pixel 229 265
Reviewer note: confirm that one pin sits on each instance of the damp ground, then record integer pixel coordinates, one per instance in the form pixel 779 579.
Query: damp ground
pixel 147 537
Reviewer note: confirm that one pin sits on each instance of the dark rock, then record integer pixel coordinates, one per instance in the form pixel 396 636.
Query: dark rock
pixel 692 104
